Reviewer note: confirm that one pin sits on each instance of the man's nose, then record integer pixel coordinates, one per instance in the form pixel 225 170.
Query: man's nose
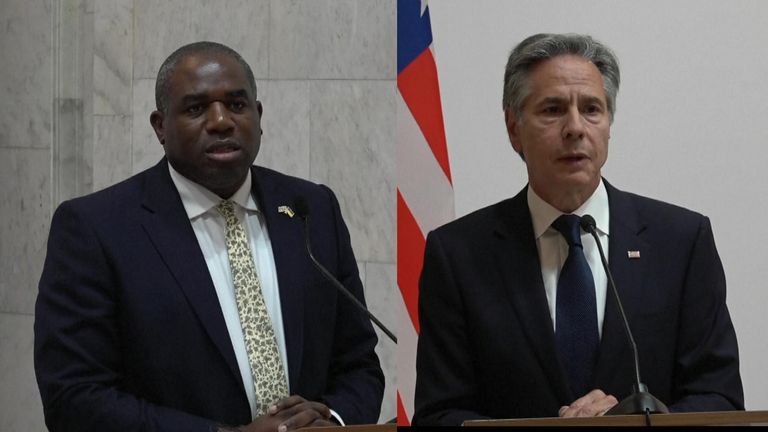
pixel 574 124
pixel 218 119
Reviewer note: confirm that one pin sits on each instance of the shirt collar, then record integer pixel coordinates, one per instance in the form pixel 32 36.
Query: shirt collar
pixel 198 200
pixel 543 214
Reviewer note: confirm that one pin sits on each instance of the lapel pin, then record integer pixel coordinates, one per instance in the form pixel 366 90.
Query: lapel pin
pixel 633 254
pixel 285 209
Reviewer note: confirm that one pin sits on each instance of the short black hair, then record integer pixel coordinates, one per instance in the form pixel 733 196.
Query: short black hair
pixel 163 85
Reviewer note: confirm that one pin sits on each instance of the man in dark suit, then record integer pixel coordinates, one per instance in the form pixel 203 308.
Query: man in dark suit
pixel 162 308
pixel 516 316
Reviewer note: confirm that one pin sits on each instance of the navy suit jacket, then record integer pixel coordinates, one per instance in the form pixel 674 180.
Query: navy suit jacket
pixel 129 334
pixel 487 347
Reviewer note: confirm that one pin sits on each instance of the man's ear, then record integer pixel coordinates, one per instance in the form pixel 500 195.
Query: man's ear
pixel 512 129
pixel 156 119
pixel 260 109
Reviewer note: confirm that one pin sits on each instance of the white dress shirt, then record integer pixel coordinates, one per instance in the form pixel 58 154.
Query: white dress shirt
pixel 553 249
pixel 208 224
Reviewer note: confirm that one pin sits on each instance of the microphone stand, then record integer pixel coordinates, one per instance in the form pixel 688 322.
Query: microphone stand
pixel 303 212
pixel 640 401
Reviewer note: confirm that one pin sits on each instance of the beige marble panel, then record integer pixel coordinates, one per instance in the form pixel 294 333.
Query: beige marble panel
pixel 25 208
pixel 146 149
pixel 68 155
pixel 352 133
pixel 26 73
pixel 72 169
pixel 162 26
pixel 86 53
pixel 361 271
pixel 332 39
pixel 111 150
pixel 382 296
pixel 113 57
pixel 20 407
pixel 285 143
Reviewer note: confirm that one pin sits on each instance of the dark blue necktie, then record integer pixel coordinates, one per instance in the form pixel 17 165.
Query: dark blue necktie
pixel 576 310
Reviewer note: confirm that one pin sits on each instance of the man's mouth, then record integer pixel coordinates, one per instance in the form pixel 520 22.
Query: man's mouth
pixel 223 151
pixel 222 147
pixel 573 158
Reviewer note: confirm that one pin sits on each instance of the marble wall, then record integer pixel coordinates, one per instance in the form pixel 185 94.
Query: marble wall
pixel 79 85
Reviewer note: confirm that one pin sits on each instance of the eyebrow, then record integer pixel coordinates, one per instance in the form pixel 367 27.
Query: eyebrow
pixel 560 99
pixel 593 99
pixel 192 98
pixel 199 97
pixel 238 93
pixel 552 99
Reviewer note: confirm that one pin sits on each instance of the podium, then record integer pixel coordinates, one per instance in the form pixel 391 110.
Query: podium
pixel 387 427
pixel 719 418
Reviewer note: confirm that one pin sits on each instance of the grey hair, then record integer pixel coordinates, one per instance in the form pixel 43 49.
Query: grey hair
pixel 163 83
pixel 543 46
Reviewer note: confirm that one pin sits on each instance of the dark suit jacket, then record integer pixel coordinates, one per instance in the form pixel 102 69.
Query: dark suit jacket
pixel 129 334
pixel 487 349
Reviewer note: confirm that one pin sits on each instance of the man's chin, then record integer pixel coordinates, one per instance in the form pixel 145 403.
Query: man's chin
pixel 581 183
pixel 223 182
pixel 572 183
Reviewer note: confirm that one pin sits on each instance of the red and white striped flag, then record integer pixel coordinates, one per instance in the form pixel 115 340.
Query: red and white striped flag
pixel 424 189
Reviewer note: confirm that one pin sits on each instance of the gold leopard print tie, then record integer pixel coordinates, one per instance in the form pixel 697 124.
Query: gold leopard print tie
pixel 266 366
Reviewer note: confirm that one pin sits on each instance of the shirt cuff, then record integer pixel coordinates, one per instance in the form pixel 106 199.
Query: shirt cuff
pixel 337 417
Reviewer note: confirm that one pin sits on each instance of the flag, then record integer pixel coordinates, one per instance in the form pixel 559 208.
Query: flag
pixel 424 186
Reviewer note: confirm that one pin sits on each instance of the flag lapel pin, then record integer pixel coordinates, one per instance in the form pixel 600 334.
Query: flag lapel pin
pixel 633 254
pixel 285 210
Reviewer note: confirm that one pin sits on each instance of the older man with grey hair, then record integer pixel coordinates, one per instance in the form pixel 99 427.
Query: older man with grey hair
pixel 516 315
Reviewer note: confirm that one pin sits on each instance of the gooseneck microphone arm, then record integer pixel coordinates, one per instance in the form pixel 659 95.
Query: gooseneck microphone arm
pixel 302 210
pixel 588 225
pixel 640 401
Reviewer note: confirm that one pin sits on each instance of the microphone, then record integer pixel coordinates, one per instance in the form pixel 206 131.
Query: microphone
pixel 640 401
pixel 302 210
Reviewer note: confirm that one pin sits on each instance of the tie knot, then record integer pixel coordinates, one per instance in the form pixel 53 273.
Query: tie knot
pixel 569 225
pixel 226 208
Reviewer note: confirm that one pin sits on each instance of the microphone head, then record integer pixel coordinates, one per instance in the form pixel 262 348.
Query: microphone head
pixel 588 223
pixel 301 207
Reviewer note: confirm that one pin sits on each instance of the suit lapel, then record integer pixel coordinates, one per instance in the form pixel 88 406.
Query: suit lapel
pixel 629 275
pixel 168 227
pixel 286 237
pixel 518 262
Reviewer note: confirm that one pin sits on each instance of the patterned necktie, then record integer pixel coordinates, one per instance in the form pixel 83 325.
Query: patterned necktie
pixel 266 365
pixel 576 311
